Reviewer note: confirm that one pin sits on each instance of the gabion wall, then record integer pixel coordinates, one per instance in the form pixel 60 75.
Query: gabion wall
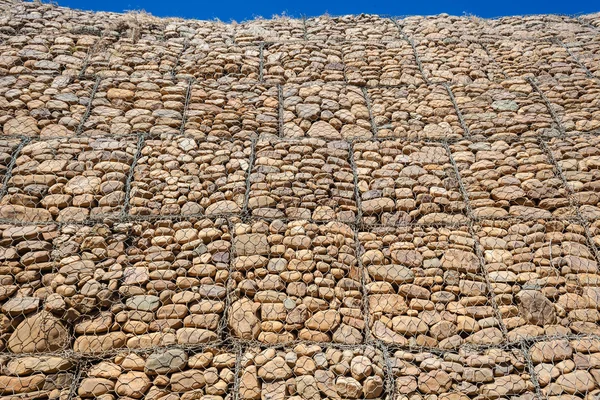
pixel 358 207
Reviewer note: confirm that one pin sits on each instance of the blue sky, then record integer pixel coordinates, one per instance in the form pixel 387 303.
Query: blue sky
pixel 244 10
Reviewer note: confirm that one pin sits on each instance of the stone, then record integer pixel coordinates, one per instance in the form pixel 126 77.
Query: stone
pixel 29 365
pixel 242 319
pixel 551 351
pixel 100 343
pixel 392 273
pixel 577 382
pixel 251 244
pixel 11 385
pixel 348 387
pixel 535 308
pixel 165 362
pixel 275 369
pixel 223 207
pixel 187 380
pixel 41 332
pixel 133 384
pixel 95 387
pixel 434 382
pixel 25 126
pixel 323 130
pixel 324 321
pixel 20 306
pixel 249 384
pixel 351 132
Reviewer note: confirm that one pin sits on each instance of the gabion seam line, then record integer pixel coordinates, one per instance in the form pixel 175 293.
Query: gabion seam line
pixel 140 145
pixel 13 161
pixel 555 117
pixel 89 108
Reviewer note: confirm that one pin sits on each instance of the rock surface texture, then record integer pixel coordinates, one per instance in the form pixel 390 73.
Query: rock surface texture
pixel 354 207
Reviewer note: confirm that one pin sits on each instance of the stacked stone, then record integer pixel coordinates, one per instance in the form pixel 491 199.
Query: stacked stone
pixel 592 19
pixel 414 112
pixel 504 110
pixel 302 179
pixel 36 377
pixel 200 33
pixel 70 179
pixel 462 375
pixel 578 158
pixel 213 62
pixel 531 27
pixel 7 148
pixel 381 64
pixel 325 111
pixel 277 29
pixel 133 57
pixel 182 176
pixel 338 207
pixel 126 106
pixel 544 276
pixel 43 106
pixel 587 51
pixel 303 62
pixel 567 368
pixel 511 179
pixel 313 372
pixel 295 280
pixel 575 101
pixel 443 26
pixel 534 58
pixel 426 288
pixel 405 182
pixel 161 374
pixel 46 53
pixel 364 27
pixel 134 285
pixel 454 60
pixel 231 110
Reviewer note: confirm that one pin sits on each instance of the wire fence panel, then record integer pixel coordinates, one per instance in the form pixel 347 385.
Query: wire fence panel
pixel 504 110
pixel 313 372
pixel 35 377
pixel 327 111
pixel 379 64
pixel 420 112
pixel 455 60
pixel 338 207
pixel 130 106
pixel 303 62
pixel 510 179
pixel 44 106
pixel 165 373
pixel 67 180
pixel 181 176
pixel 577 156
pixel 439 27
pixel 544 276
pixel 210 63
pixel 405 182
pixel 231 110
pixel 426 287
pixel 295 280
pixel 587 51
pixel 567 368
pixel 364 27
pixel 533 57
pixel 574 100
pixel 465 374
pixel 302 179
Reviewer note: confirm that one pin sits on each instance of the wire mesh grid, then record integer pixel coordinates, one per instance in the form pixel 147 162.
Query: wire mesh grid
pixel 332 207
